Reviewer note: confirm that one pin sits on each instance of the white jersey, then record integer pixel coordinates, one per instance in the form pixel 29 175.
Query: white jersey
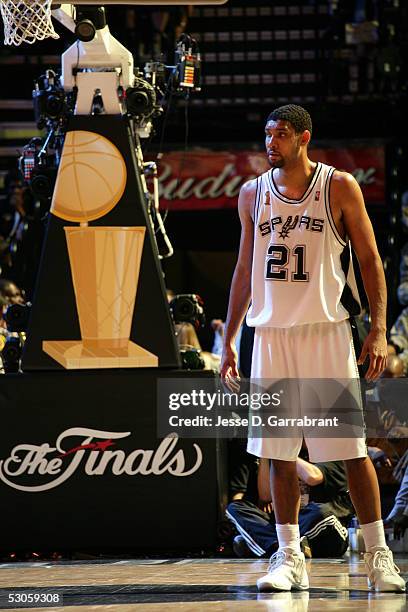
pixel 302 269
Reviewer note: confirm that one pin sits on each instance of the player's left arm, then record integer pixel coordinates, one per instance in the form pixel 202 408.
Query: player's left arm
pixel 347 198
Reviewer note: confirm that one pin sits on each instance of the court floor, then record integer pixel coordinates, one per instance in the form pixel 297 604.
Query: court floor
pixel 188 584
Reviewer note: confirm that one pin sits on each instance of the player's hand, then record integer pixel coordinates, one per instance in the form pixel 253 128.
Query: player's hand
pixel 374 347
pixel 379 457
pixel 229 368
pixel 265 506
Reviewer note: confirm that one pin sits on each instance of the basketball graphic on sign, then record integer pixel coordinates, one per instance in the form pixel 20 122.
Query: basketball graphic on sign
pixel 105 261
pixel 91 179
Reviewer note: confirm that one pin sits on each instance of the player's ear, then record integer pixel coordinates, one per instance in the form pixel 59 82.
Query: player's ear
pixel 305 138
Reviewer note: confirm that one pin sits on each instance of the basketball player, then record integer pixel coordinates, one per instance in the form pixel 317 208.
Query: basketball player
pixel 297 220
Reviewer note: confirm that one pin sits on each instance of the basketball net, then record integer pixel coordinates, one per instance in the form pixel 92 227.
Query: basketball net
pixel 26 21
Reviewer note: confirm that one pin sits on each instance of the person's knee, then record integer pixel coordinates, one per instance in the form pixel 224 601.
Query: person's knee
pixel 235 508
pixel 312 514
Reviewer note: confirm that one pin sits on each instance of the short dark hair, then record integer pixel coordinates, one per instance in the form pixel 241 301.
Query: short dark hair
pixel 296 115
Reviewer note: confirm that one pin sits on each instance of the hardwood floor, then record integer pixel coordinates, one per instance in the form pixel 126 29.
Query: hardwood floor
pixel 191 584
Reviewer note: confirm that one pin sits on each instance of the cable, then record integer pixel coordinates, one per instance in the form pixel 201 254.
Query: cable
pixel 166 115
pixel 186 122
pixel 77 65
pixel 186 134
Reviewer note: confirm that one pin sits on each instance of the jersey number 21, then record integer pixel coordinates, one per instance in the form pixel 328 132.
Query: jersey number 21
pixel 279 256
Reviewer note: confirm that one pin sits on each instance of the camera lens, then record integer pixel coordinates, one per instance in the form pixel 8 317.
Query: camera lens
pixel 41 186
pixel 11 354
pixel 140 99
pixel 54 105
pixel 85 30
pixel 186 309
pixel 137 102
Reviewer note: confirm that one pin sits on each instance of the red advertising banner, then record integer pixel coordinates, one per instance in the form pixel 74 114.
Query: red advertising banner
pixel 205 179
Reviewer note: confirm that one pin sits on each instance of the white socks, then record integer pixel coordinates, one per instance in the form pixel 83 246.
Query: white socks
pixel 373 534
pixel 288 536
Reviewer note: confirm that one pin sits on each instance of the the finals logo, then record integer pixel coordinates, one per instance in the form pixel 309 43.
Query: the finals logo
pixel 41 467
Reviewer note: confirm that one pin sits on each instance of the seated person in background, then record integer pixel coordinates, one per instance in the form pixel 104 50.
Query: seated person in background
pixel 244 342
pixel 386 454
pixel 170 294
pixel 386 413
pixel 11 292
pixel 217 326
pixel 398 342
pixel 326 510
pixel 395 367
pixel 398 517
pixel 379 457
pixel 3 329
pixel 3 308
pixel 4 332
pixel 242 472
pixel 187 340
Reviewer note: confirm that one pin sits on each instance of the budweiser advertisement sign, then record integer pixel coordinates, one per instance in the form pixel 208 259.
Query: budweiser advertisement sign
pixel 94 453
pixel 206 179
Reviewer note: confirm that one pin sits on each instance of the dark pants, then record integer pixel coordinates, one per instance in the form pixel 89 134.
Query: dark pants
pixel 326 535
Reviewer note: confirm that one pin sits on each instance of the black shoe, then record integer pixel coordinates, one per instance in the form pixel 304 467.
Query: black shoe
pixel 305 547
pixel 240 548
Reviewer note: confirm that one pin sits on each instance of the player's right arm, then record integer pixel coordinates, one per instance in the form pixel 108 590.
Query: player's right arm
pixel 240 292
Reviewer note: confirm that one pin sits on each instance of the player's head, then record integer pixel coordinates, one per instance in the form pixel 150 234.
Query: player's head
pixel 288 131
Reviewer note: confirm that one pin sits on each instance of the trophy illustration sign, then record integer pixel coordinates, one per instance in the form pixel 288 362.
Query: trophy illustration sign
pixel 105 261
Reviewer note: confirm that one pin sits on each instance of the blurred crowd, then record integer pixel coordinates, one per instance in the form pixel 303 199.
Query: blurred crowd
pixel 22 224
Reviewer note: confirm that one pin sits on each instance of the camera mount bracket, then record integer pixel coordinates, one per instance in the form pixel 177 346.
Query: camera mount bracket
pixel 102 64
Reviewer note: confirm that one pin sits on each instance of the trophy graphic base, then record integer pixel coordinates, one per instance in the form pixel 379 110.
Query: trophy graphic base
pixel 73 355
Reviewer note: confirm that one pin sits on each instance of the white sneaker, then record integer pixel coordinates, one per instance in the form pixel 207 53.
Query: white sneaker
pixel 286 571
pixel 383 574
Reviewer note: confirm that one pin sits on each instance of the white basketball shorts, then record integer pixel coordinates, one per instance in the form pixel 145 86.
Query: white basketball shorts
pixel 312 351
